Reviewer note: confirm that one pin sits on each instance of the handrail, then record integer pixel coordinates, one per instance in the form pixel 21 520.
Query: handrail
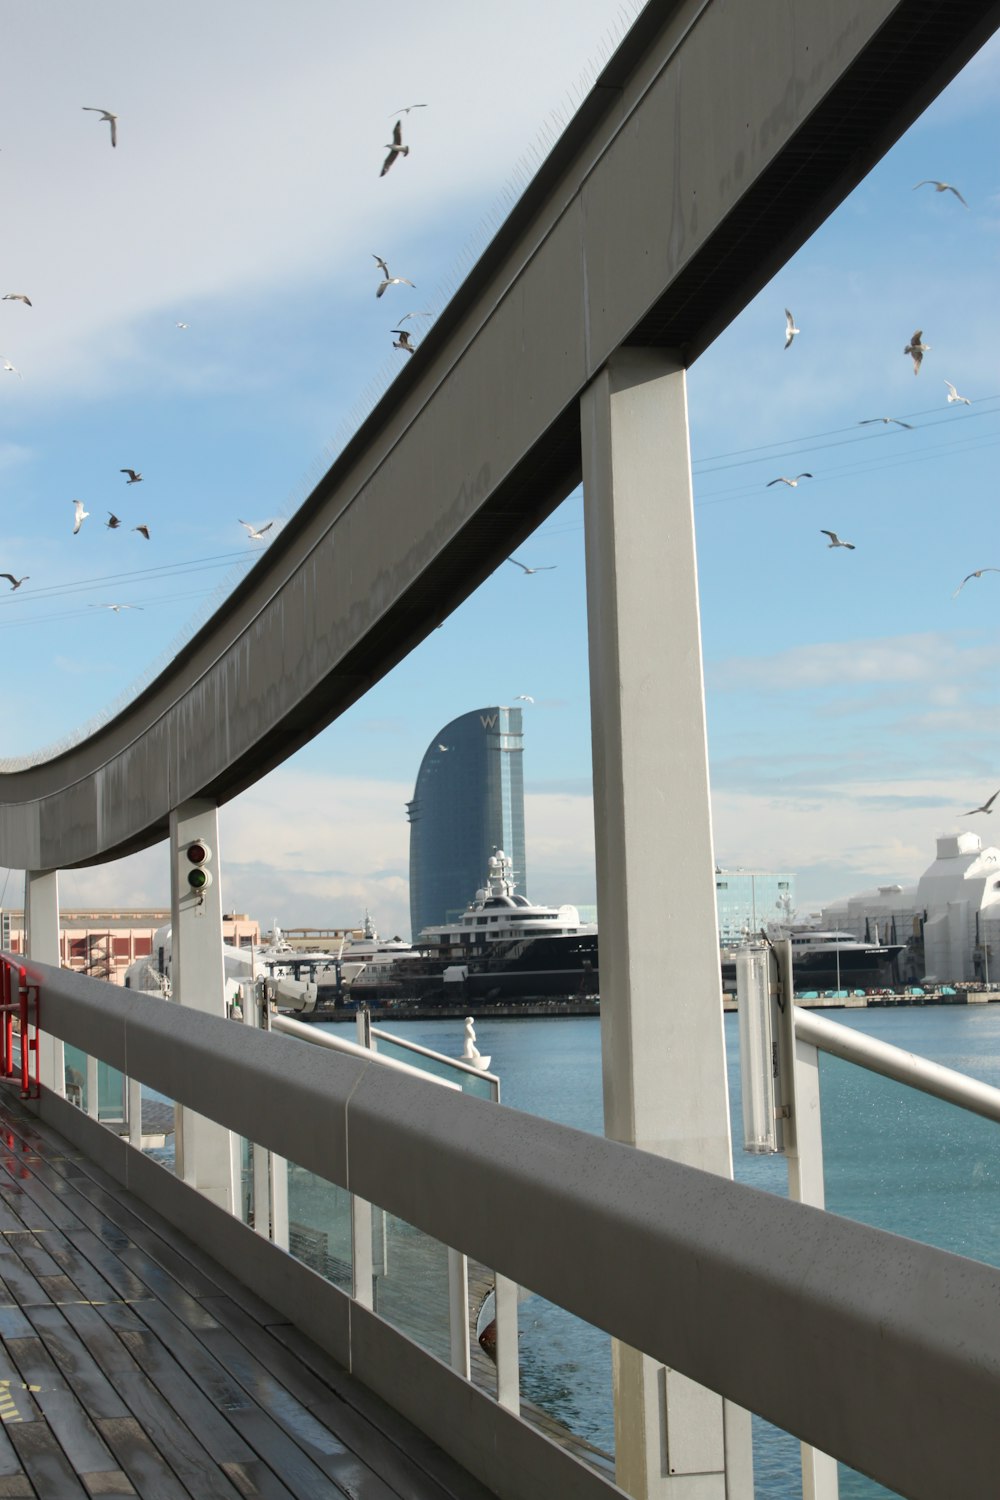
pixel 840 1333
pixel 898 1064
pixel 342 1044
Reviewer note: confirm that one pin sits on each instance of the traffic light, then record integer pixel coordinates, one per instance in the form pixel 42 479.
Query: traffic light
pixel 199 876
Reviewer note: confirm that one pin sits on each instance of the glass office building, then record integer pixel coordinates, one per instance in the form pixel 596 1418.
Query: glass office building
pixel 468 801
pixel 747 900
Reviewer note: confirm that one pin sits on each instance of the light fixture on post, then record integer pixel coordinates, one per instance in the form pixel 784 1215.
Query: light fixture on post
pixel 758 1051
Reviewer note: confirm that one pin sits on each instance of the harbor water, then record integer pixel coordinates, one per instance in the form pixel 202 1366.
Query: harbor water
pixel 894 1158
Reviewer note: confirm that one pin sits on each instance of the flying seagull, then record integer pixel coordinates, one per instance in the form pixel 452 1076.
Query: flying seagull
pixel 403 341
pixel 867 422
pixel 977 574
pixel 986 807
pixel 143 531
pixel 11 369
pixel 547 569
pixel 118 607
pixel 790 482
pixel 15 583
pixel 954 396
pixel 388 280
pixel 112 523
pixel 396 149
pixel 80 514
pixel 916 349
pixel 444 749
pixel 133 477
pixel 835 540
pixel 406 109
pixel 105 114
pixel 414 315
pixel 16 297
pixel 180 325
pixel 939 187
pixel 790 328
pixel 253 534
pixel 524 698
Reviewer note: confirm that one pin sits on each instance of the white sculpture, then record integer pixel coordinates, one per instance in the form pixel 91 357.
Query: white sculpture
pixel 471 1053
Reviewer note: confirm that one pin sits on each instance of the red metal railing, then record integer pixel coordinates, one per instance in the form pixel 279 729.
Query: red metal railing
pixel 18 997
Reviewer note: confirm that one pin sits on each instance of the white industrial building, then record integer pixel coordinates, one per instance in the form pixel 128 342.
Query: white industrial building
pixel 955 904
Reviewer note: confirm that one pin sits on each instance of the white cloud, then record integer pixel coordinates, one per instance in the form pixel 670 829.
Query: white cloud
pixel 914 658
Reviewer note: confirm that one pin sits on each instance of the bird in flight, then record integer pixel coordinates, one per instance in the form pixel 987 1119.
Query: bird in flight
pixel 118 607
pixel 180 325
pixel 105 114
pixel 939 187
pixel 977 574
pixel 986 807
pixel 414 315
pixel 396 148
pixel 790 328
pixel 80 515
pixel 790 482
pixel 112 523
pixel 406 109
pixel 11 369
pixel 142 530
pixel 835 540
pixel 388 280
pixel 547 569
pixel 133 477
pixel 444 749
pixel 16 297
pixel 867 422
pixel 524 698
pixel 403 340
pixel 253 534
pixel 954 396
pixel 916 349
pixel 15 583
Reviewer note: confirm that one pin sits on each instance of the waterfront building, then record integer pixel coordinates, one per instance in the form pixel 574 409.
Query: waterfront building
pixel 950 919
pixel 103 943
pixel 747 900
pixel 468 801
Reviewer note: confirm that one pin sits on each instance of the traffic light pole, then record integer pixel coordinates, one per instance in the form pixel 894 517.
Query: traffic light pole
pixel 206 1156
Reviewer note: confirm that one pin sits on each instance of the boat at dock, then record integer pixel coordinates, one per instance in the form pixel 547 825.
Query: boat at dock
pixel 823 960
pixel 502 949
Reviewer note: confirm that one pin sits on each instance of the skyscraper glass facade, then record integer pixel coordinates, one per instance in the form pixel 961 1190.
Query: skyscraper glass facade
pixel 747 900
pixel 468 801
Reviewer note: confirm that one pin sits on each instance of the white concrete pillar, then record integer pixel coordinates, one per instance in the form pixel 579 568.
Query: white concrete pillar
pixel 661 1005
pixel 206 1155
pixel 41 943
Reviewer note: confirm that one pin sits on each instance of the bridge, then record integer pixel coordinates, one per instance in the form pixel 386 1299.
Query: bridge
pixel 714 141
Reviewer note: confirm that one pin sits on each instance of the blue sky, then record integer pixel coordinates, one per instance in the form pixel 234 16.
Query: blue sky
pixel 851 698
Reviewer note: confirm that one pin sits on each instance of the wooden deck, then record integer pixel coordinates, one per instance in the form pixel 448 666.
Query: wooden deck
pixel 130 1364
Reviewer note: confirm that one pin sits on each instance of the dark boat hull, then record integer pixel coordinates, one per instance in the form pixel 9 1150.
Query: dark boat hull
pixel 547 968
pixel 852 969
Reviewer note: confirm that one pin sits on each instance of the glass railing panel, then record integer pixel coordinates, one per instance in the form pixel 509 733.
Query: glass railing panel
pixel 479 1083
pixel 410 1282
pixel 566 1386
pixel 319 1225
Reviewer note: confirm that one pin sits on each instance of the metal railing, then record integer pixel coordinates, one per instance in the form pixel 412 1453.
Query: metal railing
pixel 875 1348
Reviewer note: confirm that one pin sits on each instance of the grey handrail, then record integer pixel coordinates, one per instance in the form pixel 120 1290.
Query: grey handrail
pixel 899 1064
pixel 877 1349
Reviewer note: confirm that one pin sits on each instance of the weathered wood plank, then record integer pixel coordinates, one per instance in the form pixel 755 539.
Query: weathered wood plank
pixel 45 1463
pixel 145 1466
pixel 76 1364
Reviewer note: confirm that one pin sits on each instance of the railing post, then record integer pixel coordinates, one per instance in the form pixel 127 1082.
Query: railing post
pixel 508 1359
pixel 802 1144
pixel 41 914
pixel 458 1312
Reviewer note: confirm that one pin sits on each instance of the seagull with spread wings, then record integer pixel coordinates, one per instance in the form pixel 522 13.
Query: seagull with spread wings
pixel 987 806
pixel 11 369
pixel 117 607
pixel 16 297
pixel 790 328
pixel 112 523
pixel 402 341
pixel 80 515
pixel 396 148
pixel 142 530
pixel 254 533
pixel 792 483
pixel 15 583
pixel 916 349
pixel 388 278
pixel 523 566
pixel 105 114
pixel 953 396
pixel 978 573
pixel 867 422
pixel 939 187
pixel 835 540
pixel 133 476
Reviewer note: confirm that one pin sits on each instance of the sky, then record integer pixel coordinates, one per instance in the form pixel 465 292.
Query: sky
pixel 850 694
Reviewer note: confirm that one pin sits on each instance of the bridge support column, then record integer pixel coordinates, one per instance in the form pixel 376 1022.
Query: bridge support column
pixel 41 922
pixel 206 1152
pixel 661 1006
